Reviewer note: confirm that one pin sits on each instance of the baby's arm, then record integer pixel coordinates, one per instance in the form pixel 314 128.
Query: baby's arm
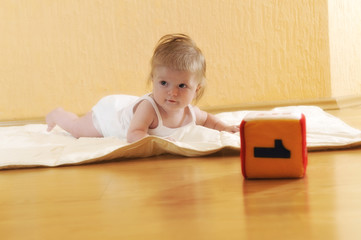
pixel 210 121
pixel 142 119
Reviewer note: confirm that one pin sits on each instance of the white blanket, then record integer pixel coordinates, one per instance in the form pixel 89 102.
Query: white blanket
pixel 31 145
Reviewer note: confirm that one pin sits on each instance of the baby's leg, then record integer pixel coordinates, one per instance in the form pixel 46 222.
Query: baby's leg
pixel 76 126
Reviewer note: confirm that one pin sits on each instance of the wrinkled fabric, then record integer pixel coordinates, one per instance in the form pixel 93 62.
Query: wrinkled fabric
pixel 31 145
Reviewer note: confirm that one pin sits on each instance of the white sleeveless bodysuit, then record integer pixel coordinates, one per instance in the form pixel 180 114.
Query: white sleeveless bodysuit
pixel 112 116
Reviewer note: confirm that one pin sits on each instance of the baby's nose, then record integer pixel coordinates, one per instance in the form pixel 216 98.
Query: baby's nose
pixel 173 91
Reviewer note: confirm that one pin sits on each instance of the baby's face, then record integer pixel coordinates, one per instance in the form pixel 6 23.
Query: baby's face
pixel 173 89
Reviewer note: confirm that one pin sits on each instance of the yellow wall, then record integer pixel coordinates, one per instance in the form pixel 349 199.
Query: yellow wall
pixel 70 53
pixel 345 47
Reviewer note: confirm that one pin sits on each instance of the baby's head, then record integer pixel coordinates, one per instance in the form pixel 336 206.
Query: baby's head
pixel 179 52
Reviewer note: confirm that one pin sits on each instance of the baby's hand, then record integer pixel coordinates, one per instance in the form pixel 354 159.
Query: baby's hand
pixel 232 128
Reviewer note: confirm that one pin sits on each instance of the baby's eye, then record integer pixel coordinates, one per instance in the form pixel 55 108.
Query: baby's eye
pixel 182 85
pixel 163 83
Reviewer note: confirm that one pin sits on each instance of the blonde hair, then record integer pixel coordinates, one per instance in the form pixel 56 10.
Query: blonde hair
pixel 179 52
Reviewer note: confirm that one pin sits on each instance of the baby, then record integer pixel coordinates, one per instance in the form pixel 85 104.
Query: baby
pixel 178 70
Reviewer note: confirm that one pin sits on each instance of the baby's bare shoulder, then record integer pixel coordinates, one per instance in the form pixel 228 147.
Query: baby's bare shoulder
pixel 144 105
pixel 201 116
pixel 144 111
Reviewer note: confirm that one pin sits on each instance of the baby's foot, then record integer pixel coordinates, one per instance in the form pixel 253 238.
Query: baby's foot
pixel 50 120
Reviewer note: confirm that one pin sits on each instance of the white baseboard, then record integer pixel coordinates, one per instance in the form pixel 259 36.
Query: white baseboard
pixel 348 101
pixel 325 103
pixel 21 122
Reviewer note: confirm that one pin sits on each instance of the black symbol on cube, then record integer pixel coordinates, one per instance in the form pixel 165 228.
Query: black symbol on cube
pixel 278 151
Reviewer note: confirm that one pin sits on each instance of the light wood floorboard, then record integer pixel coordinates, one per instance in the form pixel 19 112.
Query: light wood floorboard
pixel 173 197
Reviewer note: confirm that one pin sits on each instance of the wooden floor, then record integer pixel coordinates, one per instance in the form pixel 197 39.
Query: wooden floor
pixel 172 197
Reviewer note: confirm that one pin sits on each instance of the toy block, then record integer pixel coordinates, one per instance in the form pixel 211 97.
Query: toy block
pixel 273 145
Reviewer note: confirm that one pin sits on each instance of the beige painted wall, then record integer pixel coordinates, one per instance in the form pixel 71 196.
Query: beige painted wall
pixel 345 47
pixel 70 53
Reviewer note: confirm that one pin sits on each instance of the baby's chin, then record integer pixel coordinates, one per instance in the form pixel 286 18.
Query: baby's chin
pixel 173 105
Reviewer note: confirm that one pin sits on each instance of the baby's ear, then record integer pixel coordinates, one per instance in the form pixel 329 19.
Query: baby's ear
pixel 196 94
pixel 198 87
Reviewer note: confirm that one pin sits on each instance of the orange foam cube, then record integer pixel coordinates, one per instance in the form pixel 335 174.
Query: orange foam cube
pixel 273 145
